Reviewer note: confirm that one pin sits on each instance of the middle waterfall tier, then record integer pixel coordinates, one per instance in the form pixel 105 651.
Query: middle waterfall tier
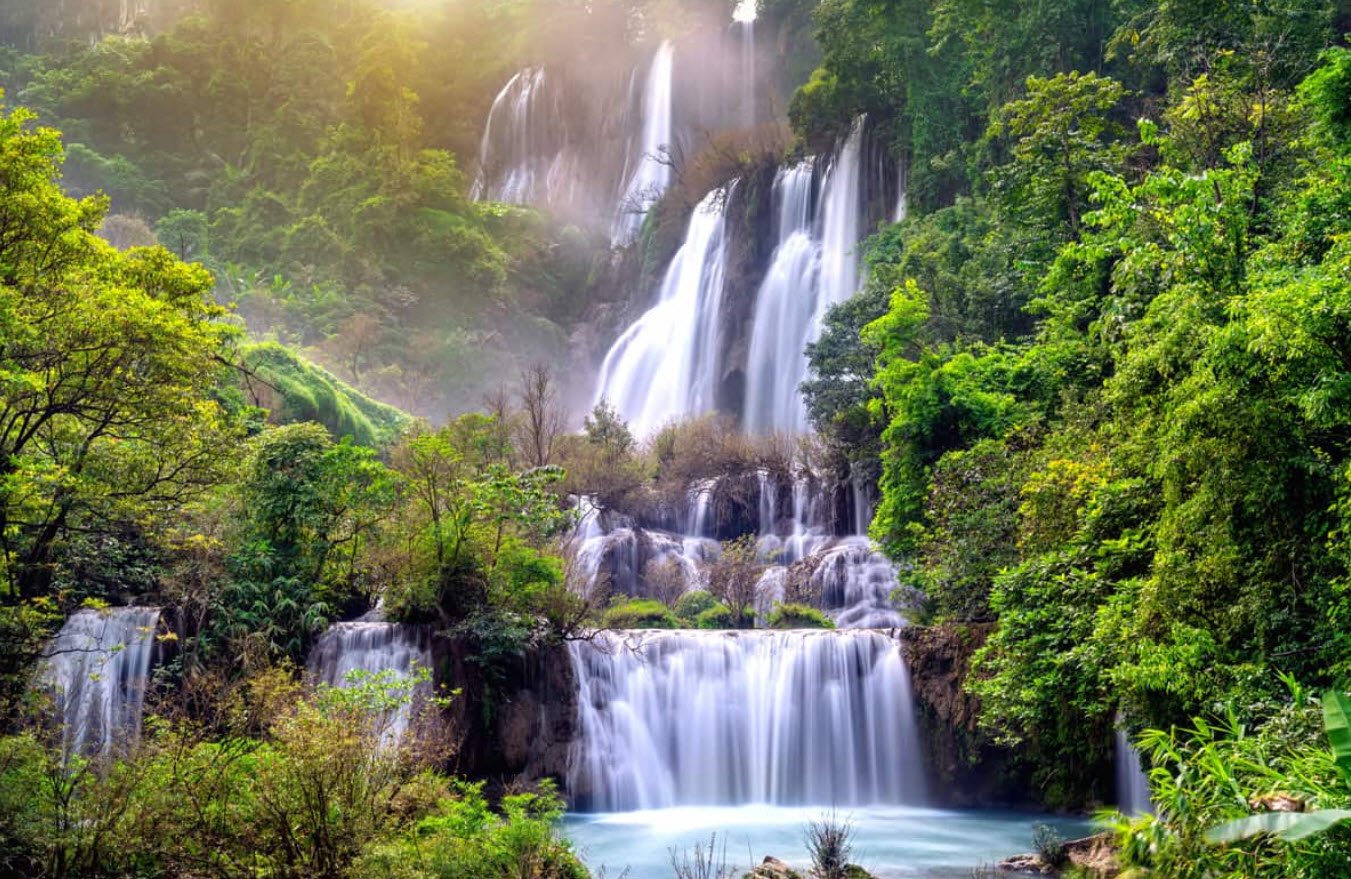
pixel 678 718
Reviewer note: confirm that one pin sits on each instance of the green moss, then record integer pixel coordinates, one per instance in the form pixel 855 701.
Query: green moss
pixel 294 390
pixel 798 616
pixel 719 616
pixel 639 613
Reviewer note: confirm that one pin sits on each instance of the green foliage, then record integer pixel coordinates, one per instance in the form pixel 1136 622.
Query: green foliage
pixel 693 603
pixel 639 613
pixel 319 793
pixel 307 506
pixel 1220 773
pixel 465 839
pixel 798 616
pixel 720 616
pixel 292 390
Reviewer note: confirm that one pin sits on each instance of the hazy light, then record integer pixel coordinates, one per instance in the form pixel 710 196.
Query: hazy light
pixel 746 10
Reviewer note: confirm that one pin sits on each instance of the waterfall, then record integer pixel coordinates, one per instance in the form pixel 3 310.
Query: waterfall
pixel 704 718
pixel 664 365
pixel 902 195
pixel 784 307
pixel 1132 785
pixel 521 143
pixel 652 173
pixel 699 506
pixel 375 647
pixel 841 219
pixel 96 670
pixel 814 267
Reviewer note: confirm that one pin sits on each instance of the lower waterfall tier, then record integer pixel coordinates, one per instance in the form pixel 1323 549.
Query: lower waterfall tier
pixel 675 718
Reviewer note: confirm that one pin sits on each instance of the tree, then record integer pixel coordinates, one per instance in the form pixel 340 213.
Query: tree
pixel 734 579
pixel 307 506
pixel 1061 133
pixel 543 419
pixel 108 370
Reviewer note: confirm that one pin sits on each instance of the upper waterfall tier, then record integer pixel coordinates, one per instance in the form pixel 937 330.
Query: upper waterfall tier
pixel 664 364
pixel 598 141
pixel 675 360
pixel 652 166
pixel 97 669
pixel 720 718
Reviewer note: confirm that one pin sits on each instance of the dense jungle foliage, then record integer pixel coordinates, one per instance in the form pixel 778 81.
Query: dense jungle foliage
pixel 1101 373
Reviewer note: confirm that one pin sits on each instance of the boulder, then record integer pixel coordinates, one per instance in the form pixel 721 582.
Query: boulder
pixel 773 868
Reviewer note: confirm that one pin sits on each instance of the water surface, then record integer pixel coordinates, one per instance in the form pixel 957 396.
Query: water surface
pixel 890 841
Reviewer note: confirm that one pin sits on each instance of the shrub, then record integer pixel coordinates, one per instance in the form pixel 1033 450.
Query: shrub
pixel 719 616
pixel 798 616
pixel 1049 846
pixel 692 604
pixel 830 842
pixel 638 613
pixel 465 839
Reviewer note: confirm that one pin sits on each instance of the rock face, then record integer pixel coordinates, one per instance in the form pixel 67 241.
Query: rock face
pixel 515 724
pixel 1096 854
pixel 965 767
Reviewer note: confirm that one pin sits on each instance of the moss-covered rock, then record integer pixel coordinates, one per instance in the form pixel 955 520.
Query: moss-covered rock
pixel 798 616
pixel 639 613
pixel 293 390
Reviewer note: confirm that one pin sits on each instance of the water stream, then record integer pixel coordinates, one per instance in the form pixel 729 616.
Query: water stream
pixel 96 671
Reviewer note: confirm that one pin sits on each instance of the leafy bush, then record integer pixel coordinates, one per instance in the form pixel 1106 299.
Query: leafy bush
pixel 719 616
pixel 692 604
pixel 798 616
pixel 639 613
pixel 1236 782
pixel 465 839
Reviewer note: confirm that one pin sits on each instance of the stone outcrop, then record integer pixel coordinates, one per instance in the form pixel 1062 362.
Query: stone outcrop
pixel 1096 854
pixel 515 724
pixel 966 768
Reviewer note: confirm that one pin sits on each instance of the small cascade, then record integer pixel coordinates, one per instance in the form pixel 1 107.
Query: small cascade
pixel 696 521
pixel 855 581
pixel 97 669
pixel 1132 784
pixel 784 307
pixel 375 647
pixel 652 171
pixel 517 145
pixel 664 366
pixel 728 718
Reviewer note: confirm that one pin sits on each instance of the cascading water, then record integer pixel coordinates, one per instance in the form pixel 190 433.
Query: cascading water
pixel 375 647
pixel 1132 785
pixel 664 367
pixel 520 143
pixel 706 718
pixel 96 670
pixel 841 219
pixel 652 172
pixel 814 267
pixel 784 306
